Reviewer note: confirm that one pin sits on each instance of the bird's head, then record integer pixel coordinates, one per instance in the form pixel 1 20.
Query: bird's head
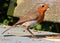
pixel 43 8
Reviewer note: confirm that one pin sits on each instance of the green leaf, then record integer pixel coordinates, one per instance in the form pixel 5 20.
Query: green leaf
pixel 38 27
pixel 11 20
pixel 6 21
pixel 9 17
pixel 33 28
pixel 5 5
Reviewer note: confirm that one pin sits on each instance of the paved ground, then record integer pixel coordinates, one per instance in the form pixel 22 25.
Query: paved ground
pixel 19 31
pixel 9 37
pixel 27 40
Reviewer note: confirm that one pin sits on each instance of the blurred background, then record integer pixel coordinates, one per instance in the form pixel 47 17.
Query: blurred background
pixel 12 10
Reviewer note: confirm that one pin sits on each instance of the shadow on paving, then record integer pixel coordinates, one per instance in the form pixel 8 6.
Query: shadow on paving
pixel 42 36
pixel 38 36
pixel 51 26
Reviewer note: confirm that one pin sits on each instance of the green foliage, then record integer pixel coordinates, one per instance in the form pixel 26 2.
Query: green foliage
pixel 42 27
pixel 8 20
pixel 5 22
pixel 38 27
pixel 47 26
pixel 5 5
pixel 4 18
pixel 3 11
pixel 6 9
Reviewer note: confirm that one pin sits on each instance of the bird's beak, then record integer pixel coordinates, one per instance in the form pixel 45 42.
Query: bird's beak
pixel 48 8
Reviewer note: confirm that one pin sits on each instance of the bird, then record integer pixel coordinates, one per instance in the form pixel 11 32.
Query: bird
pixel 30 20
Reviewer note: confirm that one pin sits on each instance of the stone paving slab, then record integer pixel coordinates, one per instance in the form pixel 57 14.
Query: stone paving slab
pixel 15 35
pixel 20 32
pixel 15 39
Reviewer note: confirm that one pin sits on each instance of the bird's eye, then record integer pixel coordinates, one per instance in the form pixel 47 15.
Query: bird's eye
pixel 42 5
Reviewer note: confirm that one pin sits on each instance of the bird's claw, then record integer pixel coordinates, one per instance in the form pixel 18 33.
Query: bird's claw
pixel 33 36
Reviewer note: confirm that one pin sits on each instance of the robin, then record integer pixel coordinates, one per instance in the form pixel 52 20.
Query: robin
pixel 30 20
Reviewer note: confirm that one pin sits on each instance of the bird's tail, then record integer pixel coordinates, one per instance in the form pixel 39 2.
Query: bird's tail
pixel 9 28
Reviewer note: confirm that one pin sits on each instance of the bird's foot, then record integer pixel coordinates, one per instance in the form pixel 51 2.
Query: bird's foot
pixel 33 36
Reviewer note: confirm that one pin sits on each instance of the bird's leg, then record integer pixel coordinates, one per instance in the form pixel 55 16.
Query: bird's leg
pixel 33 36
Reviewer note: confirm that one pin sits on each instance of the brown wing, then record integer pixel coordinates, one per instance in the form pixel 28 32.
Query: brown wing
pixel 28 17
